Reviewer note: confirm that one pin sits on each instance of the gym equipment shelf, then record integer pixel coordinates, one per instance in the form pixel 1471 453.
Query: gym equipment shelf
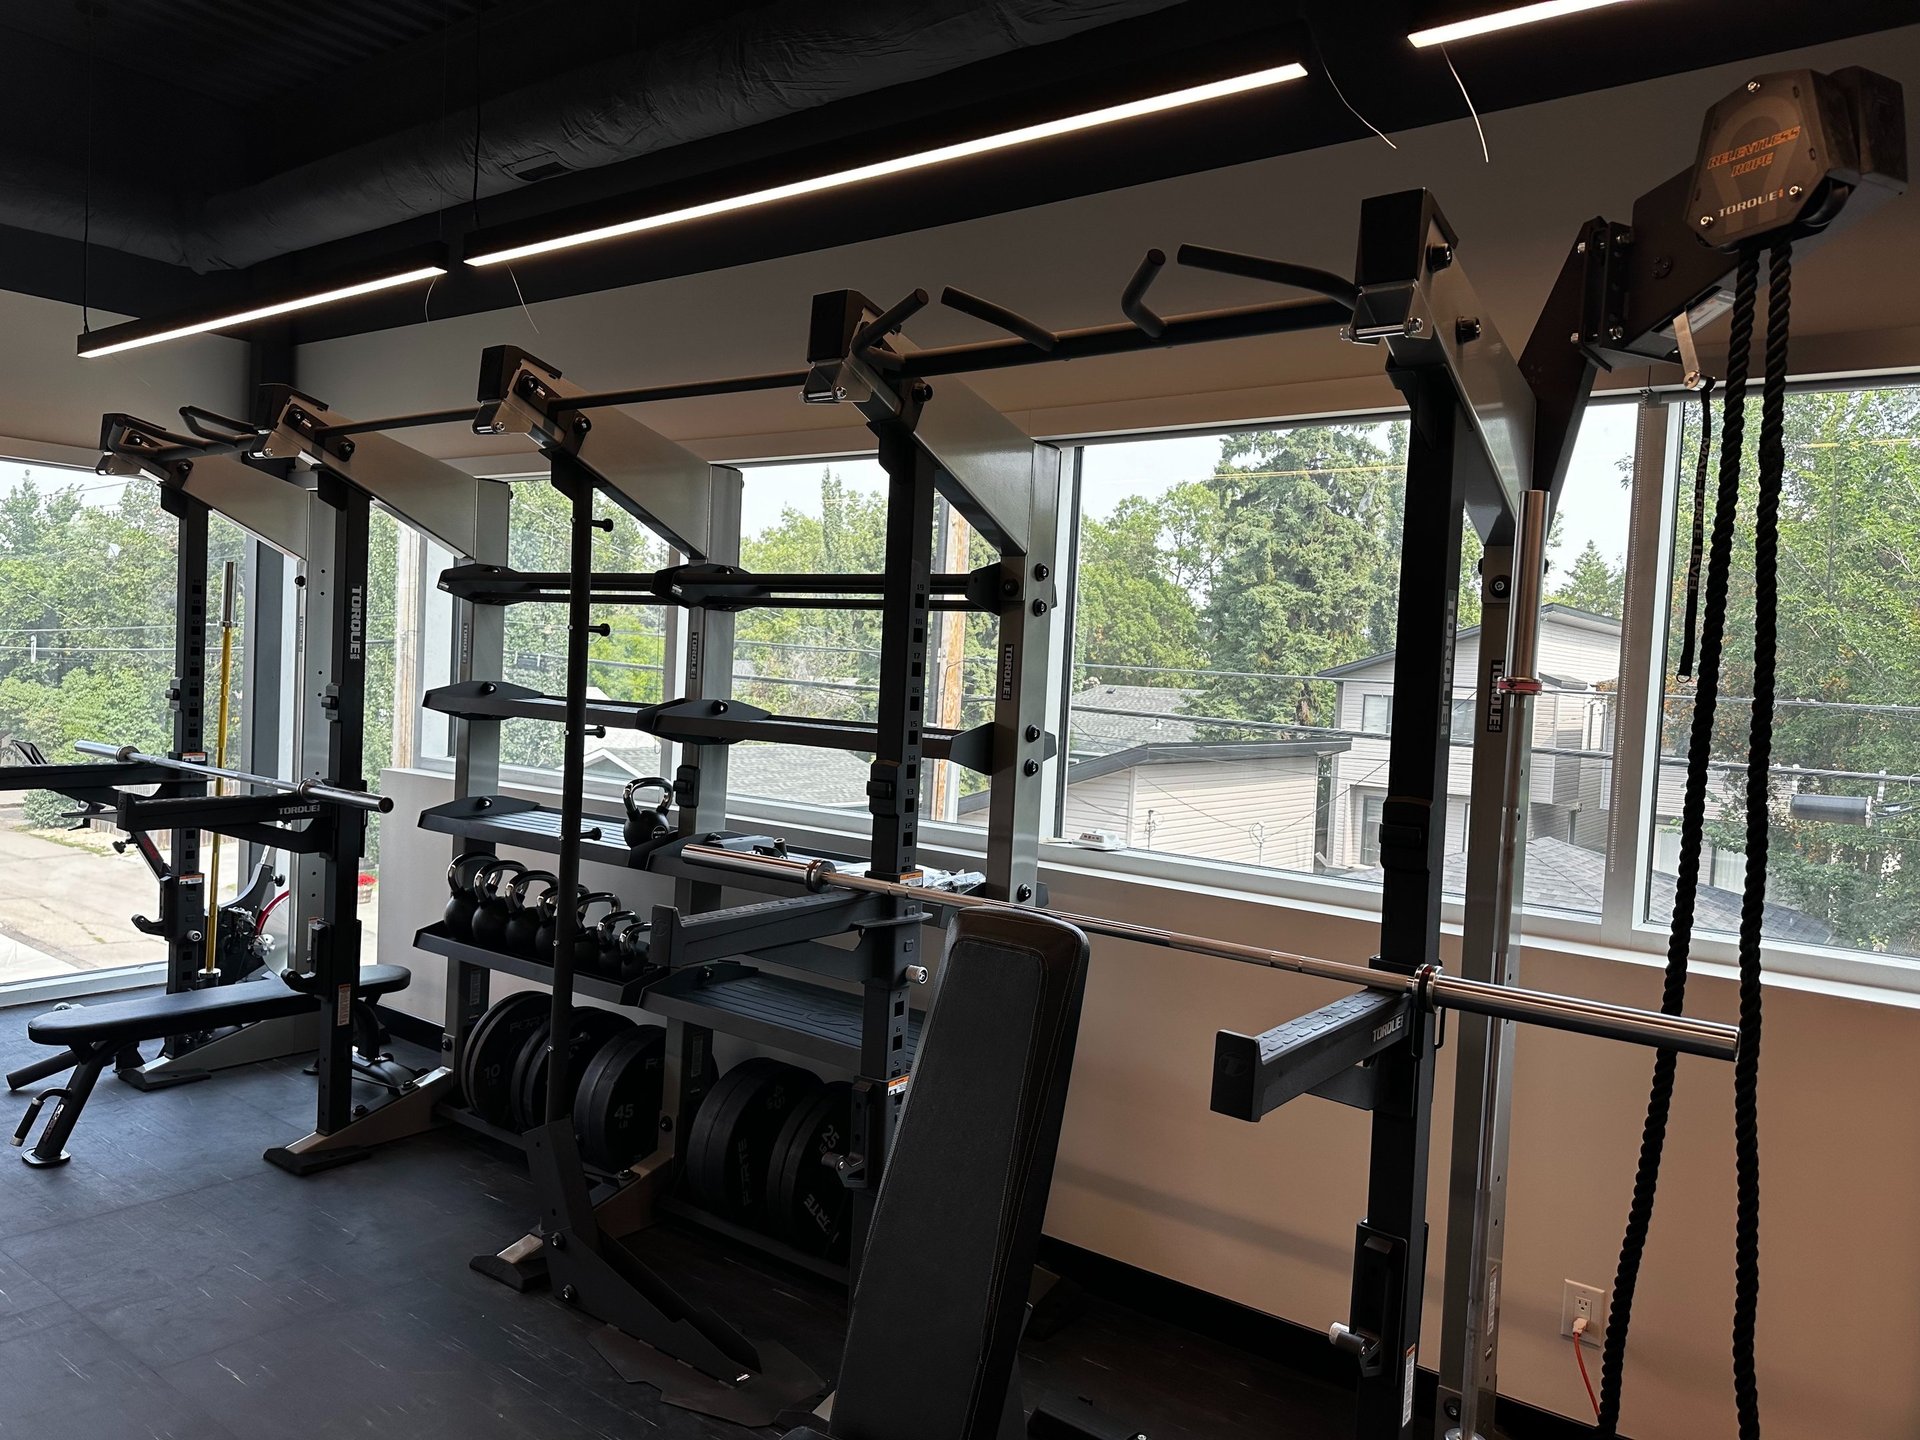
pixel 810 1021
pixel 703 722
pixel 503 820
pixel 435 939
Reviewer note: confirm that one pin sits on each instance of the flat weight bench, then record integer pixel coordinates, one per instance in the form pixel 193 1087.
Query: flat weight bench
pixel 94 1036
pixel 933 1338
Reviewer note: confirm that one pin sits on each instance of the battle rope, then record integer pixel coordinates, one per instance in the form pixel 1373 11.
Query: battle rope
pixel 1746 1066
pixel 1653 1136
pixel 1685 668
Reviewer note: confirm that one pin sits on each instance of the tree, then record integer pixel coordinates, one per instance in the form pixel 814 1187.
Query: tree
pixel 1848 601
pixel 1593 585
pixel 1135 613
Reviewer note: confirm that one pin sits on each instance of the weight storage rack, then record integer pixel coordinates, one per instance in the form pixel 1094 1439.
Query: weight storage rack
pixel 770 971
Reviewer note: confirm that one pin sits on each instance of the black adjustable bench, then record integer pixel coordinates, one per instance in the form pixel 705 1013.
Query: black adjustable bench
pixel 942 1298
pixel 92 1036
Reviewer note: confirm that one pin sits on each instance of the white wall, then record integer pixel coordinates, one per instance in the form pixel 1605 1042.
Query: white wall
pixel 1264 1214
pixel 51 401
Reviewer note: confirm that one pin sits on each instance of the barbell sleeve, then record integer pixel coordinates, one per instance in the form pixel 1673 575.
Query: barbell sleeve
pixel 1572 1013
pixel 304 789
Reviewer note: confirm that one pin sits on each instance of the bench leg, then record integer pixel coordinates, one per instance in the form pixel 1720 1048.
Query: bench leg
pixel 69 1100
pixel 40 1069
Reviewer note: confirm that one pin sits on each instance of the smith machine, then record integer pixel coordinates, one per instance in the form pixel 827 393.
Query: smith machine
pixel 1491 435
pixel 319 519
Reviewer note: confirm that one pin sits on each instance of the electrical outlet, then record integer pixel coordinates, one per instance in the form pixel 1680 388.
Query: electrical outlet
pixel 1582 1302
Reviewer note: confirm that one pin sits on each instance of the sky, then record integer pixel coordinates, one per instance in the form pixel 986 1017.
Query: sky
pixel 1593 505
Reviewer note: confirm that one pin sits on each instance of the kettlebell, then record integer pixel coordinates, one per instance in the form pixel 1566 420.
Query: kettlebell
pixel 586 939
pixel 465 869
pixel 623 946
pixel 490 913
pixel 524 919
pixel 543 937
pixel 646 824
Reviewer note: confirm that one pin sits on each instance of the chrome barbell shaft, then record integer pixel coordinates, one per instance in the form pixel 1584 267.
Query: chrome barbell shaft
pixel 303 789
pixel 1500 1002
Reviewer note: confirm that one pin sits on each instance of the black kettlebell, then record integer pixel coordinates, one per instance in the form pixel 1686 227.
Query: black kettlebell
pixel 465 869
pixel 646 824
pixel 586 939
pixel 523 919
pixel 490 913
pixel 544 936
pixel 623 946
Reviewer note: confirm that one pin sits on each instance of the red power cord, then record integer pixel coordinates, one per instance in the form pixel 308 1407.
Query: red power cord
pixel 1580 1356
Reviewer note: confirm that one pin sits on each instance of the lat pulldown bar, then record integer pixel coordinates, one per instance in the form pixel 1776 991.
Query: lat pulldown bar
pixel 1501 1002
pixel 304 789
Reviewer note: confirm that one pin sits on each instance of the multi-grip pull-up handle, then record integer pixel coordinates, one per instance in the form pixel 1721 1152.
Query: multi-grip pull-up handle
pixel 1133 299
pixel 302 789
pixel 1277 272
pixel 212 425
pixel 1012 322
pixel 1500 1002
pixel 888 321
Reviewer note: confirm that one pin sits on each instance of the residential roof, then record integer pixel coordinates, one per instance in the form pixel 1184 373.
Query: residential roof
pixel 1554 611
pixel 1564 876
pixel 1094 766
pixel 1151 715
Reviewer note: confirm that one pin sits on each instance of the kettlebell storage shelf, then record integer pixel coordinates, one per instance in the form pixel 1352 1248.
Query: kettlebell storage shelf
pixel 505 820
pixel 435 940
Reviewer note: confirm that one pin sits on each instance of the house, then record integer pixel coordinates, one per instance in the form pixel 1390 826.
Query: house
pixel 1573 724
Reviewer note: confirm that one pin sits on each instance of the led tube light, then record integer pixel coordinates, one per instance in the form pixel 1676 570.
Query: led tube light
pixel 103 342
pixel 1504 20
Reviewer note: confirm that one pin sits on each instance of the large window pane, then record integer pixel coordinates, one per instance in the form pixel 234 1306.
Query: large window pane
pixel 88 604
pixel 1844 803
pixel 1232 686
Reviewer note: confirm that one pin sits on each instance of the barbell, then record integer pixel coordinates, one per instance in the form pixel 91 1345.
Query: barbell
pixel 303 789
pixel 1429 984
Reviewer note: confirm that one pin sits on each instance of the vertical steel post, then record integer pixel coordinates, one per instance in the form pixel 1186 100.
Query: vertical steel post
pixel 183 898
pixel 893 797
pixel 574 481
pixel 340 701
pixel 1390 1258
pixel 1511 578
pixel 479 652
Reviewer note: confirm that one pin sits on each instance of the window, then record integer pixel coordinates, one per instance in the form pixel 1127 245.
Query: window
pixel 627 664
pixel 1844 801
pixel 1231 690
pixel 829 516
pixel 88 606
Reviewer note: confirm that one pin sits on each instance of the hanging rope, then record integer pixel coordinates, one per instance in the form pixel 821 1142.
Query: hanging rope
pixel 1753 904
pixel 1685 667
pixel 1746 1078
pixel 1692 831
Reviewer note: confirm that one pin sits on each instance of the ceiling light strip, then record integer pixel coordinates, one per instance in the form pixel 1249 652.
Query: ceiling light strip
pixel 102 344
pixel 965 149
pixel 1504 20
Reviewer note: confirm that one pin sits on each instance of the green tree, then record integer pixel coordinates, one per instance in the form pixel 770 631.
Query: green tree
pixel 1593 585
pixel 1848 635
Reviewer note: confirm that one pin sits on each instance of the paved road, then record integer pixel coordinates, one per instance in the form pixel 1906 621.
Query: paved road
pixel 65 900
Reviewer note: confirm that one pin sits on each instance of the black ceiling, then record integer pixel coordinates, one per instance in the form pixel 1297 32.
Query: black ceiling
pixel 218 148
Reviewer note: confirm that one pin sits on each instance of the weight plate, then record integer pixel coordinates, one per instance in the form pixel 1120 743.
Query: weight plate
pixel 616 1109
pixel 493 1045
pixel 806 1204
pixel 734 1132
pixel 592 1028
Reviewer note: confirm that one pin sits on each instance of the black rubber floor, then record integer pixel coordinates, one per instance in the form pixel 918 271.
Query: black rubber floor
pixel 170 1285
